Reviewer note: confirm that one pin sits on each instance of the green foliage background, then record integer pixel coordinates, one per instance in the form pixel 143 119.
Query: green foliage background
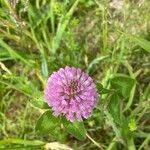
pixel 108 39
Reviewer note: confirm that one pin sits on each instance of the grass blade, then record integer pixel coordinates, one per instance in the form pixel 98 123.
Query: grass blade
pixel 145 44
pixel 14 54
pixel 22 141
pixel 62 26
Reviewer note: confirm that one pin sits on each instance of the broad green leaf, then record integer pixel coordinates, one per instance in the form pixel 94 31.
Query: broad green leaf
pixel 113 124
pixel 125 130
pixel 39 103
pixel 47 122
pixel 103 90
pixel 75 128
pixel 38 100
pixel 145 44
pixel 123 84
pixel 114 106
pixel 99 86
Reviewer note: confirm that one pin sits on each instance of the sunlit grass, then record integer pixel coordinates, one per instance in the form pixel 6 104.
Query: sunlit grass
pixel 102 38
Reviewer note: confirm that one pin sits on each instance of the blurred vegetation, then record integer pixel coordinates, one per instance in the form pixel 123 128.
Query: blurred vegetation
pixel 107 39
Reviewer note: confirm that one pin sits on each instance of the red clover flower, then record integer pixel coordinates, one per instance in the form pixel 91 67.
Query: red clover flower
pixel 71 92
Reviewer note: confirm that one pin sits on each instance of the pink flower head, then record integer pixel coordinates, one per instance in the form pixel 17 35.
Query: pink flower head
pixel 71 92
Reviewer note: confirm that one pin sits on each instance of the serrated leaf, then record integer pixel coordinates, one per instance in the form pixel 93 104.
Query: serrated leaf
pixel 75 128
pixel 123 84
pixel 47 122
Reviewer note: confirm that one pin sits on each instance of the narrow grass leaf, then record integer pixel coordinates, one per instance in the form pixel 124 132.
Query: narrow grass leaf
pixel 22 142
pixel 96 61
pixel 44 67
pixel 146 141
pixel 130 101
pixel 15 87
pixel 37 16
pixel 14 54
pixel 145 44
pixel 62 26
pixel 147 92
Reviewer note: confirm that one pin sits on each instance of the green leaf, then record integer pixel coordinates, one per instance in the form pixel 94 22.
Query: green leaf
pixel 75 128
pixel 115 108
pixel 44 68
pixel 14 54
pixel 123 84
pixel 96 61
pixel 102 90
pixel 15 87
pixel 47 122
pixel 147 92
pixel 62 27
pixel 37 16
pixel 39 101
pixel 22 142
pixel 145 44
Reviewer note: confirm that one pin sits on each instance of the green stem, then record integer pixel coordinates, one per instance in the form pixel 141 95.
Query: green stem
pixel 131 145
pixel 95 143
pixel 52 17
pixel 145 142
pixel 112 145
